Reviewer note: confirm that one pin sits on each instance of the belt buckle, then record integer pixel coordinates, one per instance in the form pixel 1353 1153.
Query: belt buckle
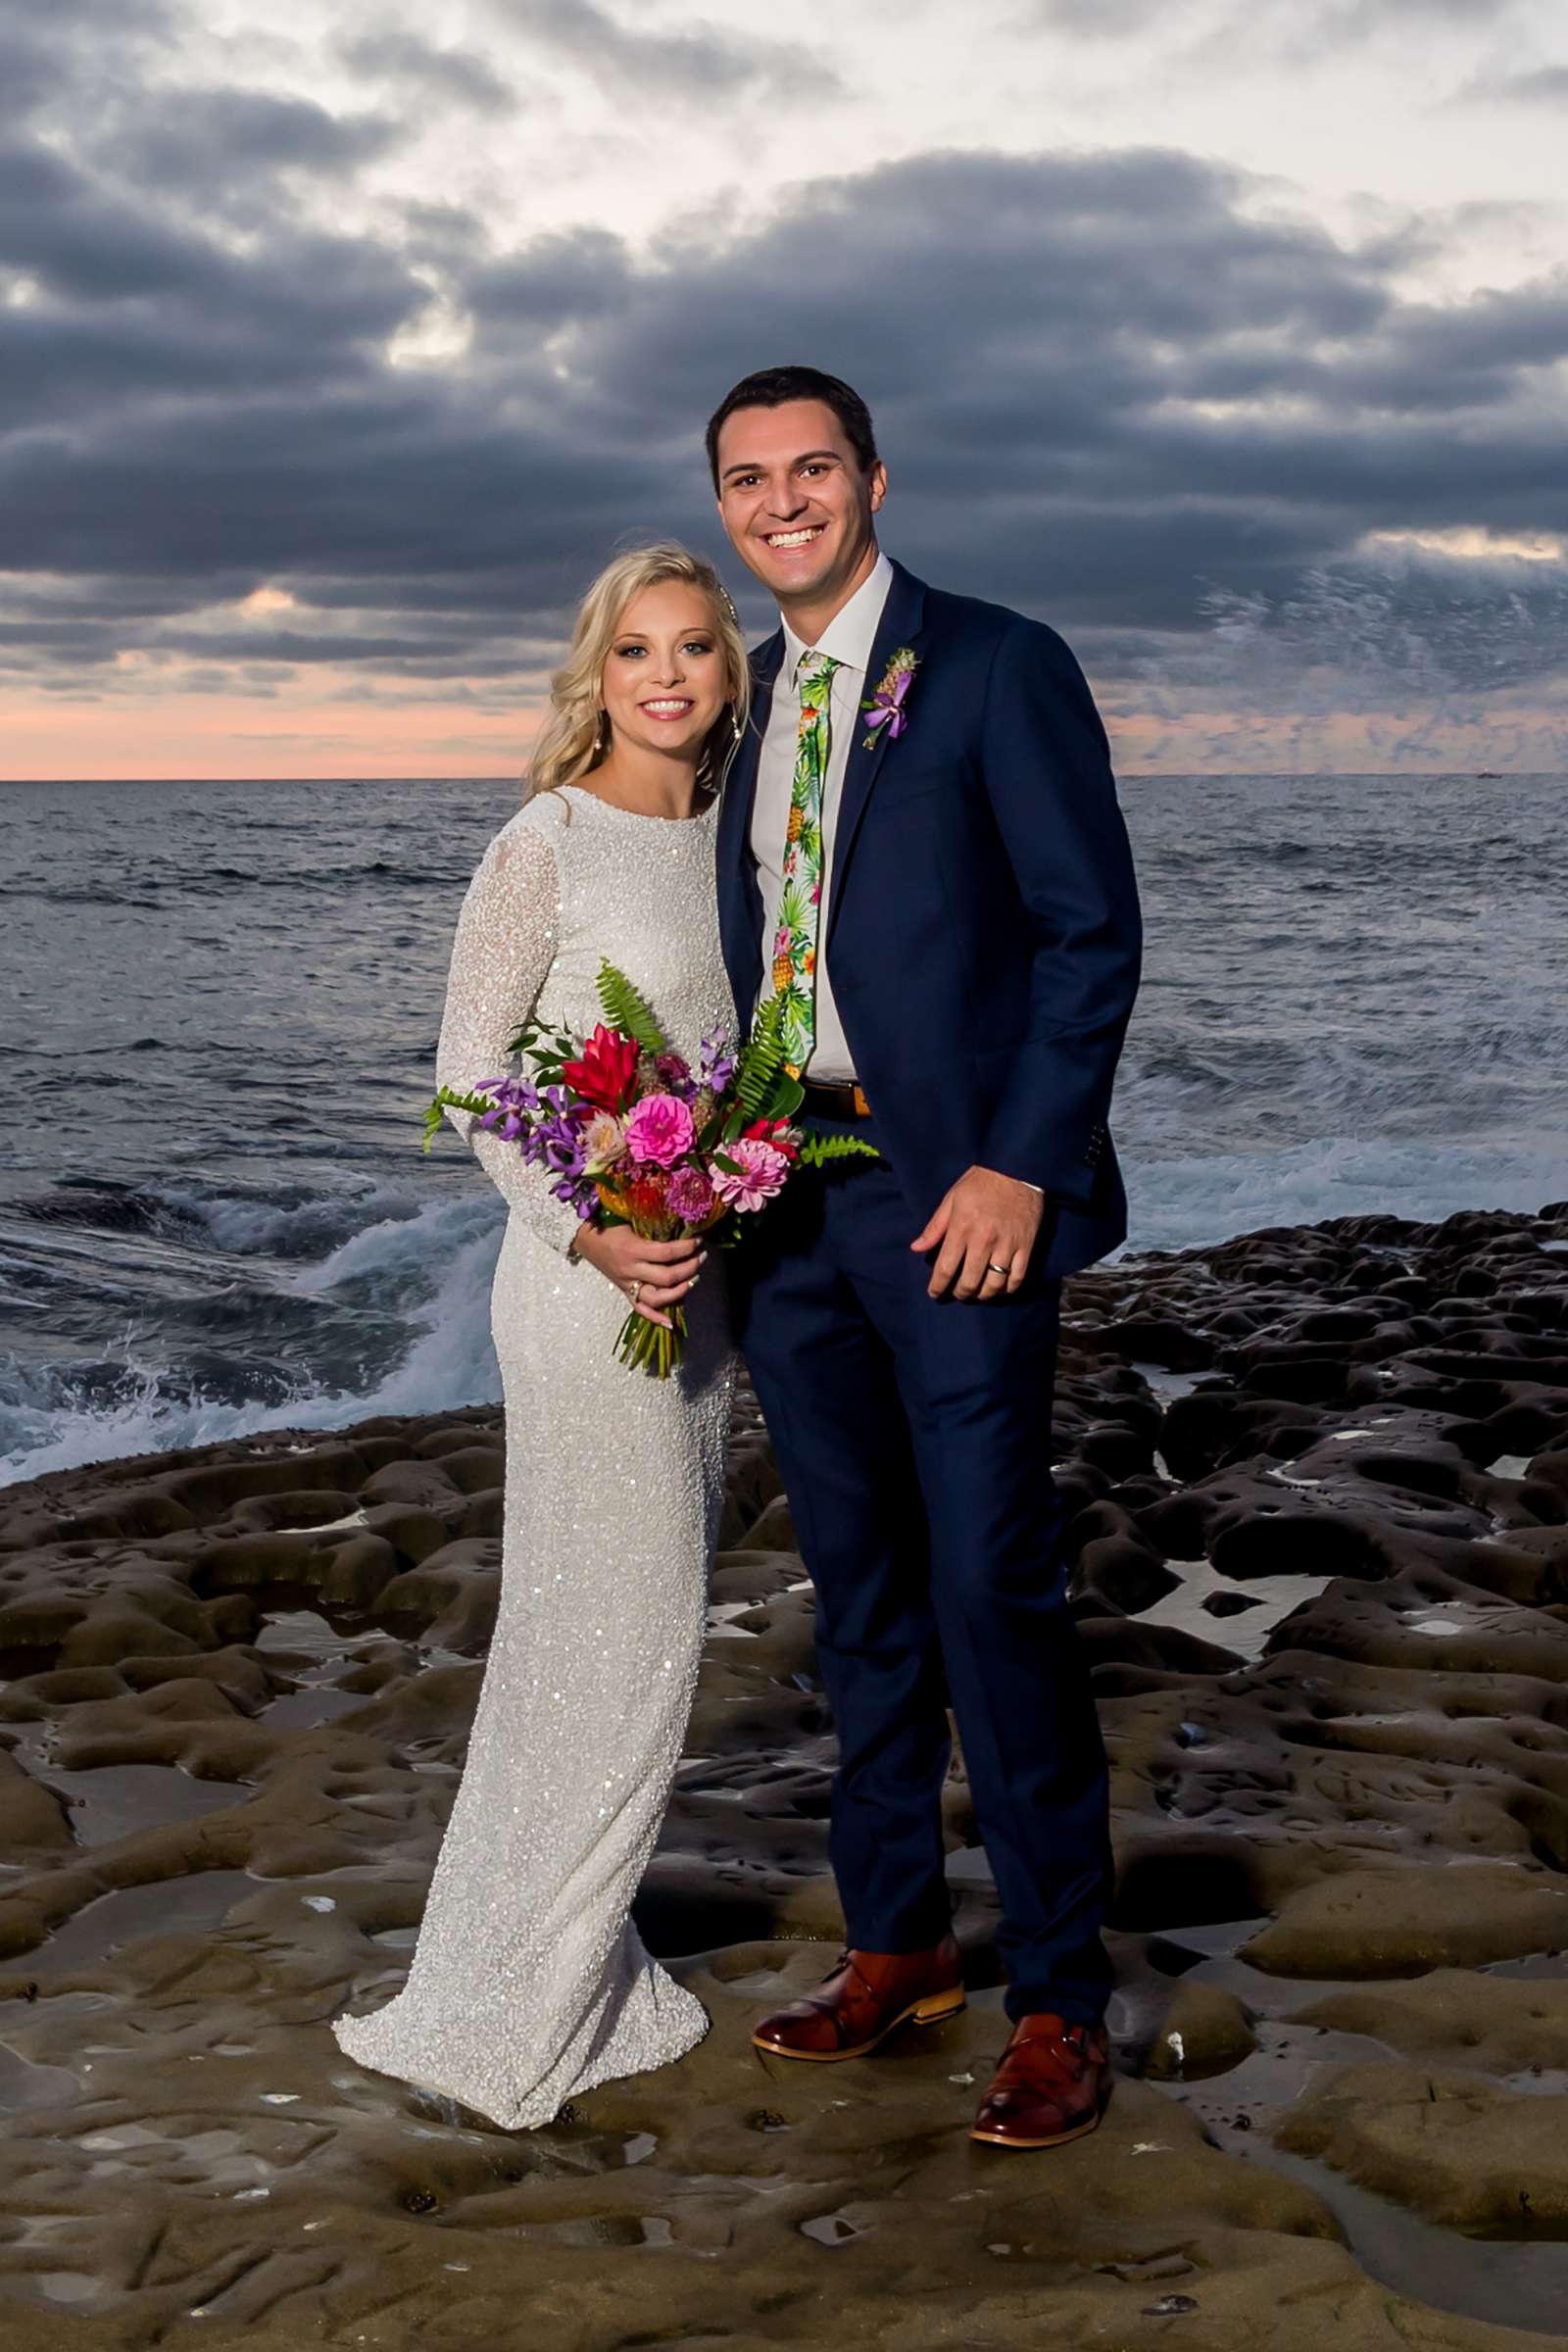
pixel 845 1092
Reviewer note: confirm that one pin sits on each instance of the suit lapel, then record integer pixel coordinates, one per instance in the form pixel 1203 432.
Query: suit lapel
pixel 902 617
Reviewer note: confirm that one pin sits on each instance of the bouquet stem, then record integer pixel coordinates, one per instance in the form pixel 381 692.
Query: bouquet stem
pixel 649 1348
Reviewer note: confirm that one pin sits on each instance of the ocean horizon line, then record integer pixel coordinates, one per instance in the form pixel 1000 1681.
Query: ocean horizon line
pixel 1392 775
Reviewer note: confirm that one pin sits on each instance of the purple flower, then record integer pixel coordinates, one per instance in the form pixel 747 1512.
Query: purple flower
pixel 675 1075
pixel 690 1195
pixel 886 708
pixel 514 1103
pixel 715 1063
pixel 550 1127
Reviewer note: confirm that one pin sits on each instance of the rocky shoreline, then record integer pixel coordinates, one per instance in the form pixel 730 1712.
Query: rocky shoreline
pixel 1319 1491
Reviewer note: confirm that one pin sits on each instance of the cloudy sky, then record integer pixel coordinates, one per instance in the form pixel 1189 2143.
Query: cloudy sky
pixel 340 343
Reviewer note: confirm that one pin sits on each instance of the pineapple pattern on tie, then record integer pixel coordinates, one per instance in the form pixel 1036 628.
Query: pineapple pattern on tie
pixel 801 899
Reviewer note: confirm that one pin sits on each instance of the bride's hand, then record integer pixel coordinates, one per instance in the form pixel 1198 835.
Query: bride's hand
pixel 655 1275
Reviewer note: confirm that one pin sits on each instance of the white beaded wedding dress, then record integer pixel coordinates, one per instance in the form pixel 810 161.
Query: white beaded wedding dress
pixel 529 1982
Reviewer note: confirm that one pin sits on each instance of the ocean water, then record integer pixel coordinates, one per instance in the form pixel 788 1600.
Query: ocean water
pixel 220 1002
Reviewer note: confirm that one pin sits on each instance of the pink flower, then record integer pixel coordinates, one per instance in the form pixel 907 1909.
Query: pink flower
pixel 690 1195
pixel 659 1131
pixel 760 1173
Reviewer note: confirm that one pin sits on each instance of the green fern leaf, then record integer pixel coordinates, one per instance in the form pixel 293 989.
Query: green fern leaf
pixel 818 1148
pixel 443 1100
pixel 627 1009
pixel 762 1060
pixel 537 1043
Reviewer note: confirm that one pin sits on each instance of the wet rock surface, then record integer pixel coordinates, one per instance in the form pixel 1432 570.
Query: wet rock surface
pixel 1317 1486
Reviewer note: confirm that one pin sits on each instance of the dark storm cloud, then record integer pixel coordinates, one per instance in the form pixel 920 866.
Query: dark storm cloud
pixel 210 139
pixel 72 48
pixel 419 71
pixel 29 74
pixel 1297 24
pixel 1044 342
pixel 1106 394
pixel 692 62
pixel 1541 85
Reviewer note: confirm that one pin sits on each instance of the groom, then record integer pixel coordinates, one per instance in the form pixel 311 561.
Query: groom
pixel 940 886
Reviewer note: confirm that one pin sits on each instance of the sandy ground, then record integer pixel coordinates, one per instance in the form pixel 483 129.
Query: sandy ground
pixel 1319 1485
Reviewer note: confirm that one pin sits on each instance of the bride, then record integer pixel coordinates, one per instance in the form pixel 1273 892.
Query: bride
pixel 529 1982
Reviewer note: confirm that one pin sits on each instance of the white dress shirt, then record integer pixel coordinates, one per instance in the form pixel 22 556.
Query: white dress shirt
pixel 847 637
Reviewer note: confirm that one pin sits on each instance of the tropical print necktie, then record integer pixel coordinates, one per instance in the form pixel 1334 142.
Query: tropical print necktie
pixel 801 899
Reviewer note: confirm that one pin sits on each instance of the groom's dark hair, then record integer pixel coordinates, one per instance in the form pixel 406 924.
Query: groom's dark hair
pixel 772 387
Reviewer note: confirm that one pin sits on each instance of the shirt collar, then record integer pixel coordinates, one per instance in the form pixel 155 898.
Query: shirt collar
pixel 852 631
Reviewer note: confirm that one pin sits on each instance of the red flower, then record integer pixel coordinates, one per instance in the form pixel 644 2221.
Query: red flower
pixel 772 1131
pixel 647 1203
pixel 605 1074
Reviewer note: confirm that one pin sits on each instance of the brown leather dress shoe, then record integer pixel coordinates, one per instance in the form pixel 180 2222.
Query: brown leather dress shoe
pixel 1051 2084
pixel 866 1996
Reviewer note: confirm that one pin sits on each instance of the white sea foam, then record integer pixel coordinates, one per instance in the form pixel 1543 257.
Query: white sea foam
pixel 444 1255
pixel 1180 1203
pixel 432 1238
pixel 55 1433
pixel 452 1360
pixel 259 1227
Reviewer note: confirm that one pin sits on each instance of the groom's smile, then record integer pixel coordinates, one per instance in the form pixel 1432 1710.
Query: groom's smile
pixel 797 504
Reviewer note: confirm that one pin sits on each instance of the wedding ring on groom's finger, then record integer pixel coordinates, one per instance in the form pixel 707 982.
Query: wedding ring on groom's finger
pixel 1003 1271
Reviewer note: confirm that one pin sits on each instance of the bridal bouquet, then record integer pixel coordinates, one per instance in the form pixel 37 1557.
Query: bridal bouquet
pixel 633 1135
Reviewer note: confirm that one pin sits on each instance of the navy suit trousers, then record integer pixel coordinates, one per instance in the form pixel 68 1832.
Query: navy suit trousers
pixel 914 1437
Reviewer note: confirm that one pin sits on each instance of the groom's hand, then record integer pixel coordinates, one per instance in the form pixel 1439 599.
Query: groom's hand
pixel 984 1222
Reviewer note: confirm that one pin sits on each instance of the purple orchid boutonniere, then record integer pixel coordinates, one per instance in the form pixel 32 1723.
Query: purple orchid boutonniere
pixel 885 707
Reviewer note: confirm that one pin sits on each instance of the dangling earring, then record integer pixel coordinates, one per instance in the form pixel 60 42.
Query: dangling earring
pixel 601 736
pixel 734 724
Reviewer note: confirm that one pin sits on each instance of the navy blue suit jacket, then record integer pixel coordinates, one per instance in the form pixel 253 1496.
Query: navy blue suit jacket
pixel 983 929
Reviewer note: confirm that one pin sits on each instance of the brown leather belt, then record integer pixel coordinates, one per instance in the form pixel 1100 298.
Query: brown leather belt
pixel 835 1098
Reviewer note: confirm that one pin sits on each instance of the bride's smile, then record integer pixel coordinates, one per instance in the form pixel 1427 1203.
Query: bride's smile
pixel 664 686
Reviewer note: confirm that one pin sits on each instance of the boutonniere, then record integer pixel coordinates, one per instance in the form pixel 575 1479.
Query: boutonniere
pixel 885 707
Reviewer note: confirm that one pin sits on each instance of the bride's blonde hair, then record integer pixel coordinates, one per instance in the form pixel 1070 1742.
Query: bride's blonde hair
pixel 572 740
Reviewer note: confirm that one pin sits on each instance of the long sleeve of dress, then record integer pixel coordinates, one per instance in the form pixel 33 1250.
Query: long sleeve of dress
pixel 505 943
